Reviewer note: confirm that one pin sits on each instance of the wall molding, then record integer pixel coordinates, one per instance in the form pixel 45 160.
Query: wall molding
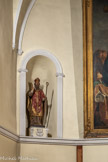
pixel 53 141
pixel 67 142
pixel 22 70
pixel 8 134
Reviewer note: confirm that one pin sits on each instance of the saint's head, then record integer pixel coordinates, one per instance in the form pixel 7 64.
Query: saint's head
pixel 100 56
pixel 37 83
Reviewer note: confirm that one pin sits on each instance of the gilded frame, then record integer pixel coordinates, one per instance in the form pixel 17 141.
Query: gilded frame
pixel 89 130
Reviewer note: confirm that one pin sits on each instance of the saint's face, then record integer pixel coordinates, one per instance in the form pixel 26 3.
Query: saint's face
pixel 37 83
pixel 104 54
pixel 100 55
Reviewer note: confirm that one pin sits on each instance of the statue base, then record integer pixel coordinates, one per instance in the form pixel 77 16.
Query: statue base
pixel 38 132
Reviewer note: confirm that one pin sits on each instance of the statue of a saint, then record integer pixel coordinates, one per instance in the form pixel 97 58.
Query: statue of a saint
pixel 36 103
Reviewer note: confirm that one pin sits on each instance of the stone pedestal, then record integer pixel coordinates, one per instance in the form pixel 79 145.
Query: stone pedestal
pixel 38 132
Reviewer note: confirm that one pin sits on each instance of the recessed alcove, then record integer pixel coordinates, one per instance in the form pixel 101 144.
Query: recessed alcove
pixel 42 64
pixel 43 68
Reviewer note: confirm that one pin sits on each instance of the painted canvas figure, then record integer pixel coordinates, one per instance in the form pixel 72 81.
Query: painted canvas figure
pixel 100 63
pixel 96 67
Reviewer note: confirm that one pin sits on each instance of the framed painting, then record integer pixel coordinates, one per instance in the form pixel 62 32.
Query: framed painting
pixel 95 47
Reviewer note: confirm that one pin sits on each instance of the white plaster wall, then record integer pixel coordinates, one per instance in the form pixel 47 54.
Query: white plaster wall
pixel 8 149
pixel 42 67
pixel 48 153
pixel 95 153
pixel 49 28
pixel 77 40
pixel 7 68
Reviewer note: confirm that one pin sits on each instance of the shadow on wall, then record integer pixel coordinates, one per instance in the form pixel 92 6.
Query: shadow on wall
pixel 76 27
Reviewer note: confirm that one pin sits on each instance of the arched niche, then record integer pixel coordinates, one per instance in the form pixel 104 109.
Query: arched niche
pixel 22 89
pixel 43 68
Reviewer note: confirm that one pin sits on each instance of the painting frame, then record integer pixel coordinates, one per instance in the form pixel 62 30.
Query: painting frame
pixel 89 131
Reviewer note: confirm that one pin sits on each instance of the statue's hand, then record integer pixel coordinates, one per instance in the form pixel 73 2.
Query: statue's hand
pixel 32 89
pixel 44 99
pixel 47 84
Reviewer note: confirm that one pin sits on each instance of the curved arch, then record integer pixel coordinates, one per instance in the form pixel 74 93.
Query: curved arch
pixel 45 53
pixel 23 26
pixel 16 21
pixel 22 82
